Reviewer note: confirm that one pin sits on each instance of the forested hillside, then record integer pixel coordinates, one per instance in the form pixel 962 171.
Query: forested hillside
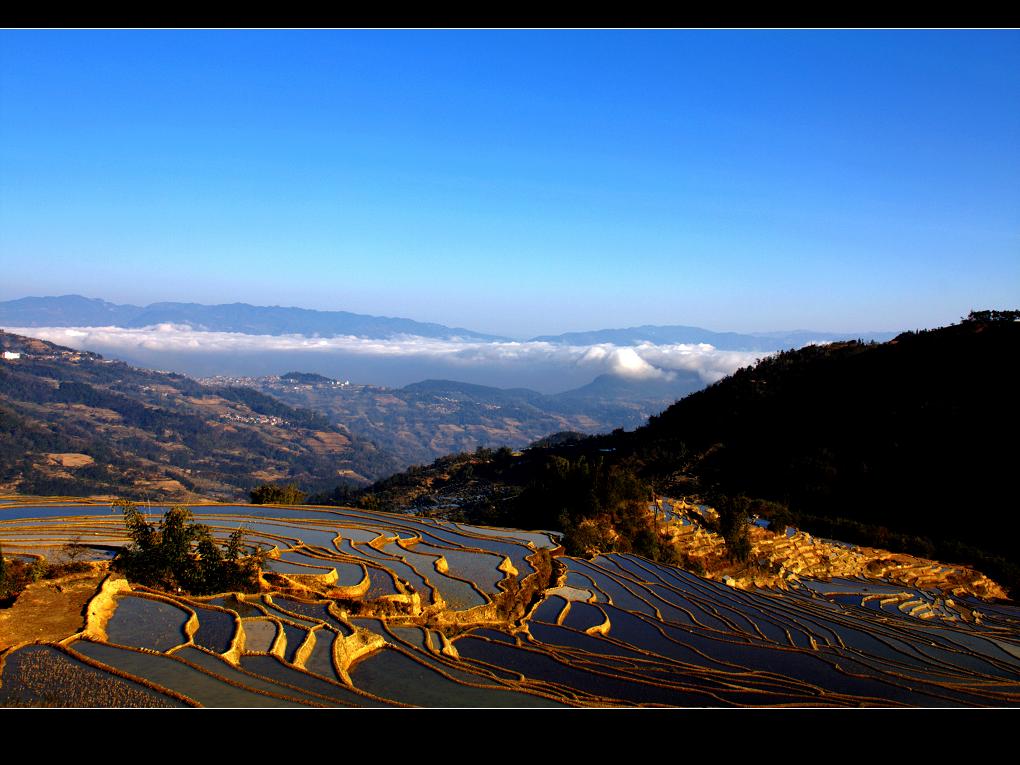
pixel 74 423
pixel 909 444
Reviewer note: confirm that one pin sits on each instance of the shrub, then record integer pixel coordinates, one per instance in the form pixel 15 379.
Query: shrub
pixel 15 576
pixel 733 520
pixel 73 557
pixel 38 569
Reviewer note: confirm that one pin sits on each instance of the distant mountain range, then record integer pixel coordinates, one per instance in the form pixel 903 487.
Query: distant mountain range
pixel 724 341
pixel 78 311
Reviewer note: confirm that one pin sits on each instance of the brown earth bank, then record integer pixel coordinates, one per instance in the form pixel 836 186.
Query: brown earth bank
pixel 777 560
pixel 70 460
pixel 50 610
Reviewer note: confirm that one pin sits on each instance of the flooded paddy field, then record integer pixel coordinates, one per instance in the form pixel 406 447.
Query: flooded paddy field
pixel 363 608
pixel 146 623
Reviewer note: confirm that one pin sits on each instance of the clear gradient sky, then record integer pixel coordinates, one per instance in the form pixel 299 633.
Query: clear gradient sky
pixel 519 182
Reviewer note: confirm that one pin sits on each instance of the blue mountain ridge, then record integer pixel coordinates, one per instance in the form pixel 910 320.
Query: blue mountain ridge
pixel 79 311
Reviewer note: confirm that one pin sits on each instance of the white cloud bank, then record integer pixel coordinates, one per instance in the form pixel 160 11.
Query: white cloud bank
pixel 645 361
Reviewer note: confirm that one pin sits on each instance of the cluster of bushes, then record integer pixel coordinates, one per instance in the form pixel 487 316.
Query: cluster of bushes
pixel 735 513
pixel 271 494
pixel 993 316
pixel 598 505
pixel 344 494
pixel 180 555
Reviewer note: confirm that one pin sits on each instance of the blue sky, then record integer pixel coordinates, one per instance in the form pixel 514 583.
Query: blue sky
pixel 519 182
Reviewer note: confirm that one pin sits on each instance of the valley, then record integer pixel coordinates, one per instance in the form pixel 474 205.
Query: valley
pixel 79 424
pixel 423 421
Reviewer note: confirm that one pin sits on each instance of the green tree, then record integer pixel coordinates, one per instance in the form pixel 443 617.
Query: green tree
pixel 734 517
pixel 182 555
pixel 598 505
pixel 369 502
pixel 271 494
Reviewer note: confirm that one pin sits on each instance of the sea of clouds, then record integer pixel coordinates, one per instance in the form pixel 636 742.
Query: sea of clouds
pixel 644 361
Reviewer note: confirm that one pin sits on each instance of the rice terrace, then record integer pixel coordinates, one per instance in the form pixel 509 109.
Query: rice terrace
pixel 357 608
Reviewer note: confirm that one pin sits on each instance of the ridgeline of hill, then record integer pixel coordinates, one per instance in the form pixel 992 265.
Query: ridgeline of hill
pixel 78 311
pixel 73 423
pixel 909 445
pixel 726 341
pixel 426 420
pixel 917 436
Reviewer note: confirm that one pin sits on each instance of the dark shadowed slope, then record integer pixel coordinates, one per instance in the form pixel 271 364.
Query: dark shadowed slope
pixel 917 436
